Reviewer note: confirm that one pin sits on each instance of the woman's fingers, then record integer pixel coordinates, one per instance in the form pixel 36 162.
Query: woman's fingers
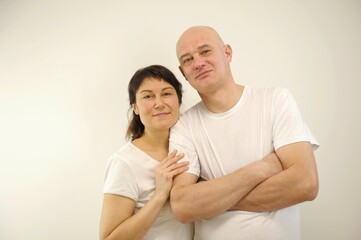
pixel 179 168
pixel 170 167
pixel 170 156
pixel 177 165
pixel 171 159
pixel 175 169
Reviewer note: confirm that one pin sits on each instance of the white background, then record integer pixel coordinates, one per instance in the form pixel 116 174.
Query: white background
pixel 64 70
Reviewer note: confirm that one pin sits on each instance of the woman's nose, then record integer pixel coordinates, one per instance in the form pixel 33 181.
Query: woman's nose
pixel 158 102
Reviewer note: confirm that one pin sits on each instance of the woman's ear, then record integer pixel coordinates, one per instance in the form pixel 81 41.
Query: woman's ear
pixel 135 109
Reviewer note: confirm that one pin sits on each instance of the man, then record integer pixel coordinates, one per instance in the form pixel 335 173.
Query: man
pixel 224 136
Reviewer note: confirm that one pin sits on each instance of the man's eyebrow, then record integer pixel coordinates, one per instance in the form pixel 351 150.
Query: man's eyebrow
pixel 184 55
pixel 200 47
pixel 204 46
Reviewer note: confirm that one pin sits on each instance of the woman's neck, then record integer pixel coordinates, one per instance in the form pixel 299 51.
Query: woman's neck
pixel 155 144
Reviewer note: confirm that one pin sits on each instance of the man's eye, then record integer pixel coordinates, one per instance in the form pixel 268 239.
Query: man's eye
pixel 187 61
pixel 146 96
pixel 205 52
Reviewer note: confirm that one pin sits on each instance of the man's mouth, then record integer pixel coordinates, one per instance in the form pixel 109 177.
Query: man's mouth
pixel 203 74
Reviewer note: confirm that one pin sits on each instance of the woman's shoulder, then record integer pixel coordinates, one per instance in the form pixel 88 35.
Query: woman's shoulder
pixel 122 154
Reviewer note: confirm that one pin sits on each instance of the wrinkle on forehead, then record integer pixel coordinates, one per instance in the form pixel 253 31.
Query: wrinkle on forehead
pixel 196 33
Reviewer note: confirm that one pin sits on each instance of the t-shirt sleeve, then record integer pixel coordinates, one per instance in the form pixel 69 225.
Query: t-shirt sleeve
pixel 180 140
pixel 289 126
pixel 120 179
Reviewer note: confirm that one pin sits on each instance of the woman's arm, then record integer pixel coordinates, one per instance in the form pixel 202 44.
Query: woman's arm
pixel 118 220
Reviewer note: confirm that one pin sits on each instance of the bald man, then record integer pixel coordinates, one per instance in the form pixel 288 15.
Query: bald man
pixel 250 152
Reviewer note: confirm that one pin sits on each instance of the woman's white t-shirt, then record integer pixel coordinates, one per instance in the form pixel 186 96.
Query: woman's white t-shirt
pixel 131 173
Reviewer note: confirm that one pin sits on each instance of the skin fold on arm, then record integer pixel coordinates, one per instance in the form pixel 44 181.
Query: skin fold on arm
pixel 296 184
pixel 195 201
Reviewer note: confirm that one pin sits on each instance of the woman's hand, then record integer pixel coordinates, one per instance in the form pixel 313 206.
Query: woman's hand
pixel 167 169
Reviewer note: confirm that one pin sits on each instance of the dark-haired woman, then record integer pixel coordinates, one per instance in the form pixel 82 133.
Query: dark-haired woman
pixel 139 176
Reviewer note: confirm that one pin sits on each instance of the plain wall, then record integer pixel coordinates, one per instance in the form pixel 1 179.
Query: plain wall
pixel 64 70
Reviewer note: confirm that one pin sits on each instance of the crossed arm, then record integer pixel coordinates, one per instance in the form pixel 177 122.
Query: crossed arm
pixel 259 186
pixel 297 183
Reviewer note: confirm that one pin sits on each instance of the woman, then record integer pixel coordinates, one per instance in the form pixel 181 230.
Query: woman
pixel 139 176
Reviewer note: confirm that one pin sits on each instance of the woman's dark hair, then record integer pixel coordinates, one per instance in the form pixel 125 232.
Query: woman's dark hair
pixel 136 127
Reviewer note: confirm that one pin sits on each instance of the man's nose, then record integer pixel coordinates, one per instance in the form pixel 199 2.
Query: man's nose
pixel 198 61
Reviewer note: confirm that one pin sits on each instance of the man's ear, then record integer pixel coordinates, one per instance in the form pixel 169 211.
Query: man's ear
pixel 228 51
pixel 180 69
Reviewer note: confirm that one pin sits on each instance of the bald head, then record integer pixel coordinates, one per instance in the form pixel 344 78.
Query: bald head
pixel 194 35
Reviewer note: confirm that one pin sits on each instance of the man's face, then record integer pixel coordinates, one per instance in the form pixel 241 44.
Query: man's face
pixel 204 59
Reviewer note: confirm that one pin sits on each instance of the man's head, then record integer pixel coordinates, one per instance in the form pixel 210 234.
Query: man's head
pixel 204 58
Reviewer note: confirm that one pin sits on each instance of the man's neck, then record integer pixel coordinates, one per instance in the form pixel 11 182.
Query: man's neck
pixel 222 99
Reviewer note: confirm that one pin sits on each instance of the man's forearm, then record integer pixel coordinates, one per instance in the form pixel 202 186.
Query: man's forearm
pixel 270 195
pixel 207 199
pixel 296 184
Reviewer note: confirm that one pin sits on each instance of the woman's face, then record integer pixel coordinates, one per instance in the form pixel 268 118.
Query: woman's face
pixel 156 104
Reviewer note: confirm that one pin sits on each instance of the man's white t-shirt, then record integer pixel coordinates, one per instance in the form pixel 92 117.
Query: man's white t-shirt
pixel 131 173
pixel 263 120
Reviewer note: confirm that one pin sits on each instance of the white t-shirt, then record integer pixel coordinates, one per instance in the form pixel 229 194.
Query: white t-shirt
pixel 130 173
pixel 263 120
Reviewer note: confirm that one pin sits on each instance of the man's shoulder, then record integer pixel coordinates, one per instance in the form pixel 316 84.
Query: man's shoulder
pixel 266 88
pixel 265 91
pixel 188 118
pixel 192 111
